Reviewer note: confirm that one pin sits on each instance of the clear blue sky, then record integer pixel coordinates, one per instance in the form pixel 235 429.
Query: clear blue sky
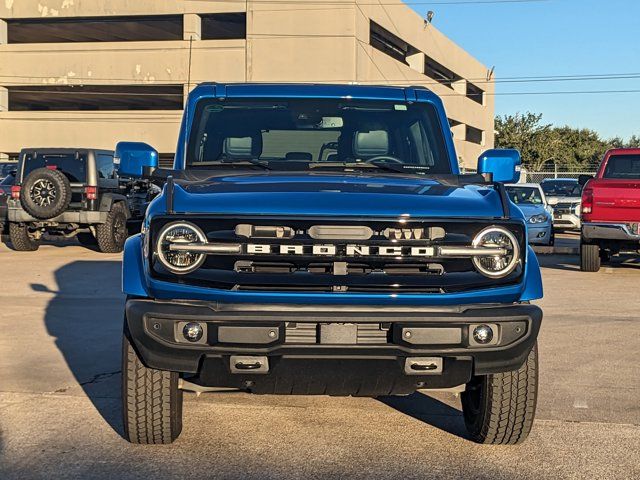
pixel 556 37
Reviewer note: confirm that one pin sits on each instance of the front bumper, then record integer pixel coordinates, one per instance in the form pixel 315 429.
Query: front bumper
pixel 610 231
pixel 566 220
pixel 19 215
pixel 298 346
pixel 539 234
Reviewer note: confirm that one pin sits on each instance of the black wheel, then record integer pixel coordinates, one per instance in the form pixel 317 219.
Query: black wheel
pixel 21 239
pixel 112 234
pixel 86 239
pixel 151 401
pixel 45 193
pixel 499 409
pixel 589 257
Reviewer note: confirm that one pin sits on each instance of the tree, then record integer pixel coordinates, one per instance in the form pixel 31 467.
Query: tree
pixel 566 148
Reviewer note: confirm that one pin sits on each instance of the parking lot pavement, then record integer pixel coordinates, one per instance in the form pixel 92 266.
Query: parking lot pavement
pixel 61 321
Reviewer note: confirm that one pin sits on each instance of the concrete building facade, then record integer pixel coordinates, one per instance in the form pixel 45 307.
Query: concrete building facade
pixel 91 73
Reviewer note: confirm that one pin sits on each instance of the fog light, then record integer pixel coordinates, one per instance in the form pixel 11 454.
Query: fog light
pixel 483 334
pixel 192 331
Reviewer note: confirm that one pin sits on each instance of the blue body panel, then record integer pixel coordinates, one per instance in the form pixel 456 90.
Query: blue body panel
pixel 534 229
pixel 357 194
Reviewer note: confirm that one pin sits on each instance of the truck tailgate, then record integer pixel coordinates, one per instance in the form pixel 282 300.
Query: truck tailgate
pixel 615 200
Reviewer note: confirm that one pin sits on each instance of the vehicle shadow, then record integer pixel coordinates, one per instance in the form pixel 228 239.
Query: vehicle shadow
pixel 429 410
pixel 572 262
pixel 85 318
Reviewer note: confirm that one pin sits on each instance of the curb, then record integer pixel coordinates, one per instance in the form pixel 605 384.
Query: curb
pixel 556 250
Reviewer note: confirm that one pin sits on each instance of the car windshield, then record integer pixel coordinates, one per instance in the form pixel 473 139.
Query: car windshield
pixel 561 188
pixel 303 134
pixel 525 195
pixel 623 167
pixel 74 168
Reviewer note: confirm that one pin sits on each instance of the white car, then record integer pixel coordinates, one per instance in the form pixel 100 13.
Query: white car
pixel 564 195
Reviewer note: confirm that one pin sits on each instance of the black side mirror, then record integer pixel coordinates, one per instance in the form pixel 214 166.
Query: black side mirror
pixel 583 179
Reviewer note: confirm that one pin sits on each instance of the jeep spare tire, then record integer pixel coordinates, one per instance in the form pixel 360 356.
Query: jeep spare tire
pixel 45 193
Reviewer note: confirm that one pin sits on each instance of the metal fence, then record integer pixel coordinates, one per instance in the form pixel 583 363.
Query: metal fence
pixel 537 177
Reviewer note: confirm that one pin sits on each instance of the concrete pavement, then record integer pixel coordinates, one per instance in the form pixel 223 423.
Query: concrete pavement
pixel 61 318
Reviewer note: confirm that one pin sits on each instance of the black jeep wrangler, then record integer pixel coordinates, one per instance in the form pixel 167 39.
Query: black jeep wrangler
pixel 70 193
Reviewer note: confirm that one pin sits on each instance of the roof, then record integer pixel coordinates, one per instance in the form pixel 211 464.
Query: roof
pixel 532 185
pixel 572 180
pixel 310 90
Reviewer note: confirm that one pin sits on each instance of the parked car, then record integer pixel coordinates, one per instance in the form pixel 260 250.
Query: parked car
pixel 273 266
pixel 564 195
pixel 611 209
pixel 6 168
pixel 69 192
pixel 530 198
pixel 5 194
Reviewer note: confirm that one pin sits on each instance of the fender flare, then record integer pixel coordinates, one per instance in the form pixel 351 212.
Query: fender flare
pixel 108 199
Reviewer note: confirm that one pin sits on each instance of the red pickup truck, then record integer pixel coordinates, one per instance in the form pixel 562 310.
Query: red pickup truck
pixel 611 209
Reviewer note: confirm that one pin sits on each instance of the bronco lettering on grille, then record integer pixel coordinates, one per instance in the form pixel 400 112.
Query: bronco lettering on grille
pixel 330 250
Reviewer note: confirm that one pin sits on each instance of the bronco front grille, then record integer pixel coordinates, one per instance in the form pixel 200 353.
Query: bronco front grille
pixel 313 255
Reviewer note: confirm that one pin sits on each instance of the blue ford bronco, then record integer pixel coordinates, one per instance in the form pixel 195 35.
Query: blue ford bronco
pixel 320 240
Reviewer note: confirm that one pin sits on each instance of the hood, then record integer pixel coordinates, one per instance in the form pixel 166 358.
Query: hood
pixel 552 199
pixel 324 194
pixel 530 210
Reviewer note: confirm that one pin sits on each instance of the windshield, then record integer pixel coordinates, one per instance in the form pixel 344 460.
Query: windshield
pixel 74 168
pixel 561 188
pixel 623 167
pixel 319 133
pixel 525 195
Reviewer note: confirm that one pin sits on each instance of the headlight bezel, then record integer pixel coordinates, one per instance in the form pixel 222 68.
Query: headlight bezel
pixel 538 219
pixel 160 254
pixel 516 252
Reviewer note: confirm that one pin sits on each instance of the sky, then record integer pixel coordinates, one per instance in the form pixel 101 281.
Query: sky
pixel 550 38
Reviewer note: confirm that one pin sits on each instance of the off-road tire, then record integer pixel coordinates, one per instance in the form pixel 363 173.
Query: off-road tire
pixel 590 259
pixel 499 408
pixel 151 401
pixel 86 239
pixel 20 238
pixel 112 234
pixel 54 200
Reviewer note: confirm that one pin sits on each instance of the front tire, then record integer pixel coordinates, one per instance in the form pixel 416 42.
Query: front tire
pixel 21 239
pixel 112 234
pixel 499 408
pixel 151 401
pixel 590 260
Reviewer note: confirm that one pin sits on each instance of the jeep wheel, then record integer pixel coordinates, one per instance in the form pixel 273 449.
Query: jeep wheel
pixel 151 401
pixel 589 257
pixel 112 234
pixel 21 239
pixel 45 193
pixel 499 408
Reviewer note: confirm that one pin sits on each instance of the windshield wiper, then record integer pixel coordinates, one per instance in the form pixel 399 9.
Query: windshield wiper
pixel 390 167
pixel 235 161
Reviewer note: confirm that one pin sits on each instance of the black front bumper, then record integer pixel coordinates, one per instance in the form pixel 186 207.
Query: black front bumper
pixel 371 353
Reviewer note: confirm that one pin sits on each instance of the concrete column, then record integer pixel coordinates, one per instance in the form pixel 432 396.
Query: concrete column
pixel 192 26
pixel 460 87
pixel 4 99
pixel 3 32
pixel 416 61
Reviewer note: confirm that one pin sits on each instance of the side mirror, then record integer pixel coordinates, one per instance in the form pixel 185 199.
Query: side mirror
pixel 503 165
pixel 135 159
pixel 583 179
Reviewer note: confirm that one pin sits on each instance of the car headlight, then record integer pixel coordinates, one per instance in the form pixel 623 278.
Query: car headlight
pixel 538 218
pixel 497 266
pixel 175 234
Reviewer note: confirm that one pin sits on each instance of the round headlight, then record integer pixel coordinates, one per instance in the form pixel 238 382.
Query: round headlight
pixel 180 261
pixel 497 266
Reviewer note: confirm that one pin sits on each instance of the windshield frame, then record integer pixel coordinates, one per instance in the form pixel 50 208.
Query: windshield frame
pixel 439 145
